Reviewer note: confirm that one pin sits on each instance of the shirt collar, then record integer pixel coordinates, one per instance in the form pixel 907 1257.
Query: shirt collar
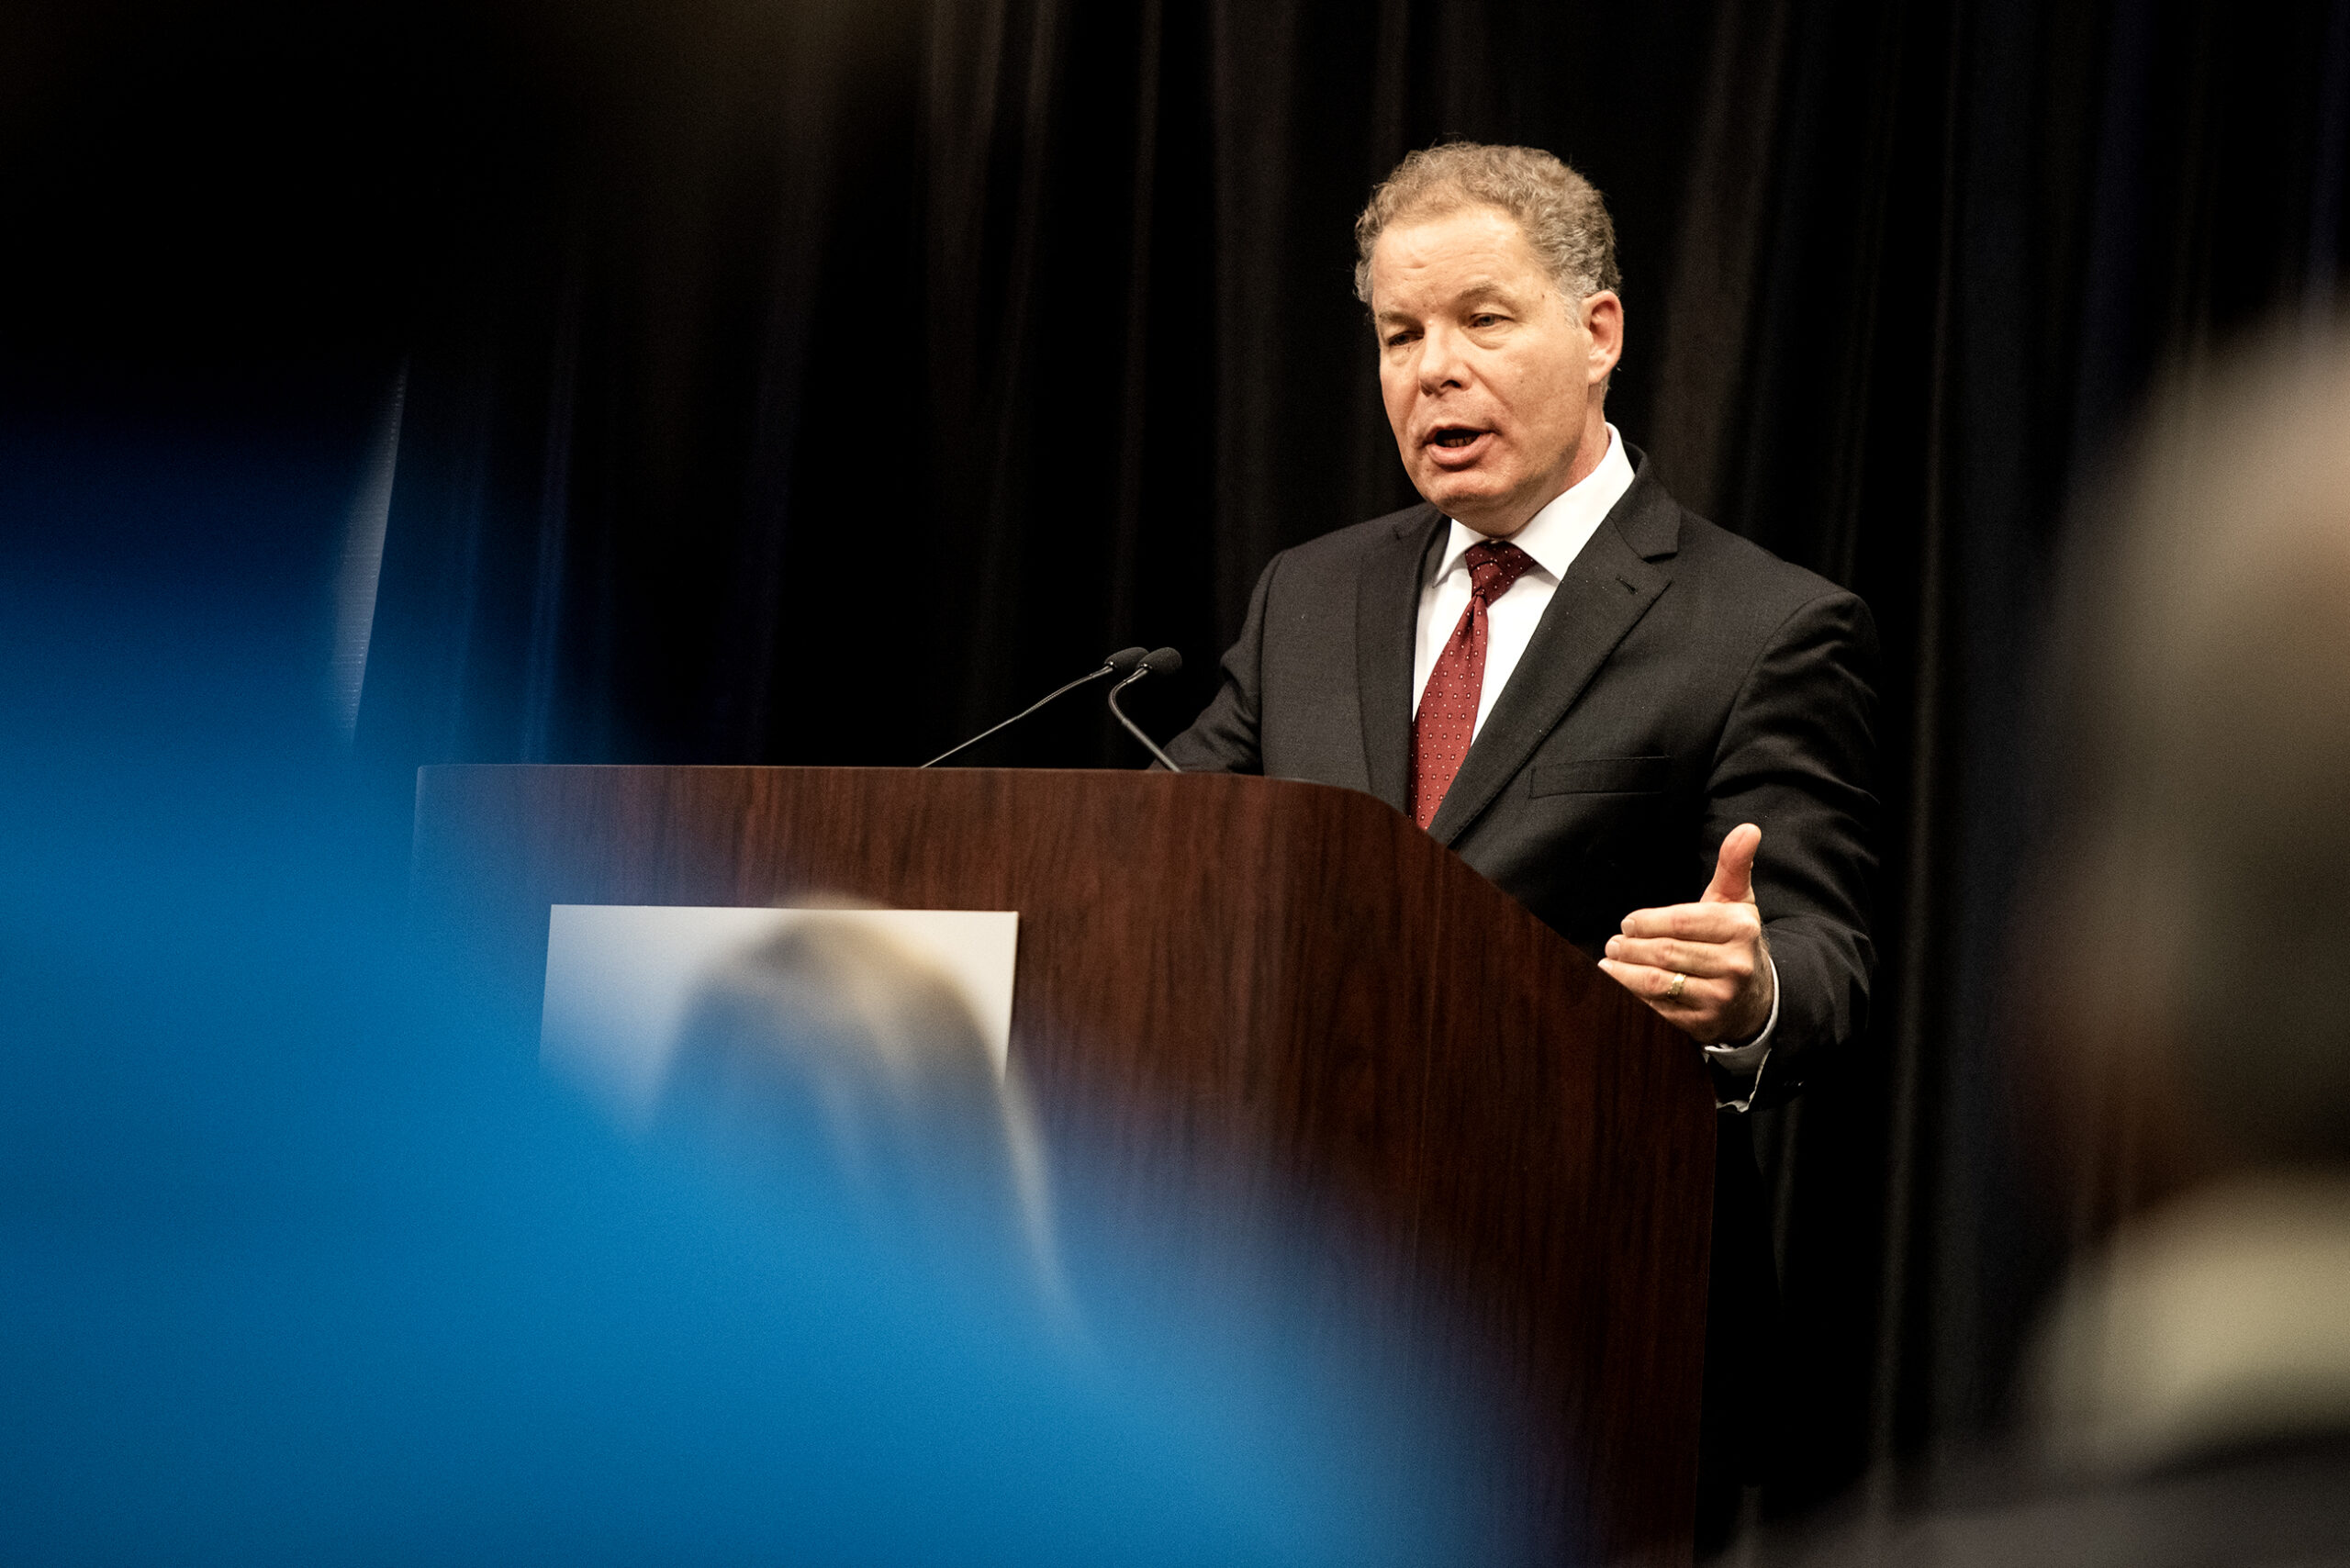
pixel 1556 535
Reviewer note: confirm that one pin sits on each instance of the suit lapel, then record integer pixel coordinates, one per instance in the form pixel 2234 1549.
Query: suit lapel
pixel 1387 600
pixel 1601 598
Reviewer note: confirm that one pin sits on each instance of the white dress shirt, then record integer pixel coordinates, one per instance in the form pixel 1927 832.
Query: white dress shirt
pixel 1553 537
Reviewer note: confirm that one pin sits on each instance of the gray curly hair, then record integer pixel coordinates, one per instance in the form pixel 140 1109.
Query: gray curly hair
pixel 1561 212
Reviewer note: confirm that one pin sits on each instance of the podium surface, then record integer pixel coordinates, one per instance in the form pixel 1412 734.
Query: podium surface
pixel 1218 973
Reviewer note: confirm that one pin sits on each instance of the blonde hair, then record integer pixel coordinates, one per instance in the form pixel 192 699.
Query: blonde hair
pixel 829 1040
pixel 1561 213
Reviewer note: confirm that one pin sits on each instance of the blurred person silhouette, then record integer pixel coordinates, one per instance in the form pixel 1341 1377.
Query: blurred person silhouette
pixel 828 1064
pixel 830 1054
pixel 2189 1396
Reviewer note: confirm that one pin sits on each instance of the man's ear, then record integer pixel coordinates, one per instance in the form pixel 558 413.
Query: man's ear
pixel 1603 318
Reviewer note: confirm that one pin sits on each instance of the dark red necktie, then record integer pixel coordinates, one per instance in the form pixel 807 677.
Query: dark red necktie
pixel 1448 716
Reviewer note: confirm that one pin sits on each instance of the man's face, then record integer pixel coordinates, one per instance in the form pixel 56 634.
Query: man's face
pixel 1493 379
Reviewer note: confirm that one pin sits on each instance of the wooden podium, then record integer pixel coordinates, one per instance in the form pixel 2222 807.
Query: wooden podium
pixel 1231 967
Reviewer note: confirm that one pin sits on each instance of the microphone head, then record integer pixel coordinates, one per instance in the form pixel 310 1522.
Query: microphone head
pixel 1123 660
pixel 1163 661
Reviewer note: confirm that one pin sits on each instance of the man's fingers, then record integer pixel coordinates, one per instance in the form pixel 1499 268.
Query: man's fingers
pixel 1654 986
pixel 1696 922
pixel 1734 867
pixel 1695 963
pixel 1733 960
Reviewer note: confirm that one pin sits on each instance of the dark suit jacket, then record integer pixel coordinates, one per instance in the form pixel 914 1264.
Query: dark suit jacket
pixel 1682 681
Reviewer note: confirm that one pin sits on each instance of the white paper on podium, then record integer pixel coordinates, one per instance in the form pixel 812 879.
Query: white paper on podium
pixel 620 977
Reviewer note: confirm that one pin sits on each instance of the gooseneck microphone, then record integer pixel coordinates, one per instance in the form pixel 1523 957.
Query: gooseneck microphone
pixel 1119 663
pixel 1158 661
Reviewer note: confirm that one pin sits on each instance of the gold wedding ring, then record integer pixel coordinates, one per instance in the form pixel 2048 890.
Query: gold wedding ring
pixel 1680 983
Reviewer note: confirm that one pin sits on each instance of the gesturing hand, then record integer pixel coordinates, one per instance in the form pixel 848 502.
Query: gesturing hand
pixel 1716 944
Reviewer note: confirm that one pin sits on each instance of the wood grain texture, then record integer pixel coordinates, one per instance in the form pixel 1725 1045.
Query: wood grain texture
pixel 1222 974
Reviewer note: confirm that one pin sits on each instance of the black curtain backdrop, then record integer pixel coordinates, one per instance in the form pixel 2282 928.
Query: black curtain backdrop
pixel 817 383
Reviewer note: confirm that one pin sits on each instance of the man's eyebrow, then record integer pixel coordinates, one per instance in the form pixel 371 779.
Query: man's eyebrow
pixel 1475 288
pixel 1485 288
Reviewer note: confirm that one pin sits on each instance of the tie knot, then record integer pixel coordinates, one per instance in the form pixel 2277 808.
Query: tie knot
pixel 1493 567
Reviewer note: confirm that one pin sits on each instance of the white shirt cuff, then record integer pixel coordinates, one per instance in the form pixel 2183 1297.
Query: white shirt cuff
pixel 1742 1064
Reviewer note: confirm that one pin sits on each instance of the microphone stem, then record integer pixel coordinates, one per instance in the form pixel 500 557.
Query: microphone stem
pixel 1057 691
pixel 1135 730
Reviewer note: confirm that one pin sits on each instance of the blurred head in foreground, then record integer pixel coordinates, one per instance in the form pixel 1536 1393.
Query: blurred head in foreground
pixel 841 1075
pixel 2189 1398
pixel 2205 884
pixel 2209 865
pixel 829 1056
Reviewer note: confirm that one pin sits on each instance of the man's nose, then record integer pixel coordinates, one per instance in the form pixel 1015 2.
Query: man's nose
pixel 1442 364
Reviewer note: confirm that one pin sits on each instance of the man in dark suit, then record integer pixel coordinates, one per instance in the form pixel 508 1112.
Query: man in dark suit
pixel 1653 734
pixel 1676 684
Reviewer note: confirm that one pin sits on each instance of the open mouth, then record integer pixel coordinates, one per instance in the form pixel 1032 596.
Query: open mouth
pixel 1454 446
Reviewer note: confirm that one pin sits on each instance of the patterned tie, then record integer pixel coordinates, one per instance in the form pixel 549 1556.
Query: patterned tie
pixel 1448 715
